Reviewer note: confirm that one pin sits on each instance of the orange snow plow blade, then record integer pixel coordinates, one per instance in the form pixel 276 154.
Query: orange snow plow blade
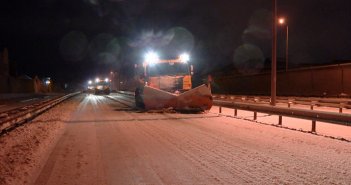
pixel 198 99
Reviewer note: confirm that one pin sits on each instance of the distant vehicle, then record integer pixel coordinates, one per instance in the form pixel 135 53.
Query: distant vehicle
pixel 99 86
pixel 168 84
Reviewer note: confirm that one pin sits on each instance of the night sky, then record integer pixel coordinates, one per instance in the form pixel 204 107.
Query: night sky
pixel 77 39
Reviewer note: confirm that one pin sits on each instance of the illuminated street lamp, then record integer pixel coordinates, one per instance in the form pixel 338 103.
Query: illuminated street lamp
pixel 283 22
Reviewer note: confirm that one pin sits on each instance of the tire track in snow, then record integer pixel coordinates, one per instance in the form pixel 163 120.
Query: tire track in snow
pixel 224 153
pixel 307 160
pixel 200 165
pixel 187 150
pixel 304 168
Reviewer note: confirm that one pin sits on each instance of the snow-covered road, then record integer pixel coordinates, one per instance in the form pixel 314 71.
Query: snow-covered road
pixel 104 142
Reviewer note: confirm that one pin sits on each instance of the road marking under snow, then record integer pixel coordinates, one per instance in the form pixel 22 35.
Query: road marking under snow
pixel 29 100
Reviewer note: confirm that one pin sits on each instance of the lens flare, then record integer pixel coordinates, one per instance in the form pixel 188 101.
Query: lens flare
pixel 248 59
pixel 105 49
pixel 73 46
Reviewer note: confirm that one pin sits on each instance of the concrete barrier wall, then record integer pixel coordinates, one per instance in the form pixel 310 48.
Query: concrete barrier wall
pixel 346 85
pixel 326 81
pixel 291 83
pixel 331 80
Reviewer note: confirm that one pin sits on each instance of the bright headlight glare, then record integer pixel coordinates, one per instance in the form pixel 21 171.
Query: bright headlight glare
pixel 151 58
pixel 106 79
pixel 90 82
pixel 184 58
pixel 97 80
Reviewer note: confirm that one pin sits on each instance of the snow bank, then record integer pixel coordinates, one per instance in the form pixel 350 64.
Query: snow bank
pixel 23 150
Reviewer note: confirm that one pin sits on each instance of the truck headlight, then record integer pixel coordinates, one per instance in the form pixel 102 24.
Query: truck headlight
pixel 151 58
pixel 184 58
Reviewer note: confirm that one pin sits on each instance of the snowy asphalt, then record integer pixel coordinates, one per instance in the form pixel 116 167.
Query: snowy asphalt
pixel 106 142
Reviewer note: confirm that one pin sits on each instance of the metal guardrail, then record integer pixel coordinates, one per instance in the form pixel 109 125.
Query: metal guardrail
pixel 24 114
pixel 330 117
pixel 261 104
pixel 311 101
pixel 124 102
pixel 126 93
pixel 336 103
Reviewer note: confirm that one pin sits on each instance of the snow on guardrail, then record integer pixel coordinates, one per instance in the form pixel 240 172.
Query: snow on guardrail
pixel 24 114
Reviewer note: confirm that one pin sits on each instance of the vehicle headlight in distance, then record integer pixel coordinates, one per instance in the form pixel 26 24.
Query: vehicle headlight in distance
pixel 106 80
pixel 151 58
pixel 97 80
pixel 90 82
pixel 184 58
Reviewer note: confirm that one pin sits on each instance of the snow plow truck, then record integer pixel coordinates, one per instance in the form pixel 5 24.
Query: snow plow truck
pixel 167 84
pixel 99 86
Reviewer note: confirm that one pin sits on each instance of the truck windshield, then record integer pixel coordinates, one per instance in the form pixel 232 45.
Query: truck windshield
pixel 102 83
pixel 171 69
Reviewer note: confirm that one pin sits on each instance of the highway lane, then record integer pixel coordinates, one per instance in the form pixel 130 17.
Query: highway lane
pixel 107 142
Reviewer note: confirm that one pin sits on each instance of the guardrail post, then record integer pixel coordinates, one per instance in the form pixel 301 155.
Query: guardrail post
pixel 313 126
pixel 257 99
pixel 290 101
pixel 255 115
pixel 280 120
pixel 235 112
pixel 220 109
pixel 340 108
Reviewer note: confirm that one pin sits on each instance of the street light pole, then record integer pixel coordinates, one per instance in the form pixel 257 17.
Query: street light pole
pixel 287 48
pixel 274 54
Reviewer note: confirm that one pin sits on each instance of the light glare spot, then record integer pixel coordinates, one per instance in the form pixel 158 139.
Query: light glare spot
pixel 184 58
pixel 151 58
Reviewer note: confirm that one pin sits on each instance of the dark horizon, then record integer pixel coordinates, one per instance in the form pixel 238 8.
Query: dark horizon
pixel 76 40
